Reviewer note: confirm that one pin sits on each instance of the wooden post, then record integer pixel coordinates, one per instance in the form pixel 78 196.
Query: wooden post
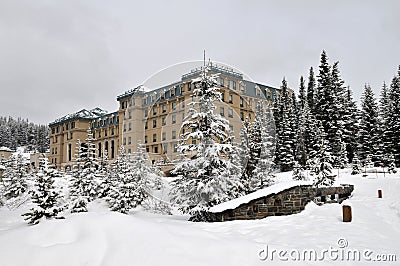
pixel 380 193
pixel 347 217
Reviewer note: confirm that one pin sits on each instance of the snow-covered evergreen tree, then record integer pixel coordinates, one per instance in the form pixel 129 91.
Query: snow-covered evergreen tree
pixel 202 181
pixel 321 166
pixel 262 144
pixel 311 90
pixel 15 177
pixel 286 130
pixel 45 197
pixel 355 166
pixel 369 126
pixel 85 176
pixel 393 119
pixel 298 172
pixel 391 164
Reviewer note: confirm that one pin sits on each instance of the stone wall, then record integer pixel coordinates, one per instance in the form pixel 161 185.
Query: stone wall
pixel 286 202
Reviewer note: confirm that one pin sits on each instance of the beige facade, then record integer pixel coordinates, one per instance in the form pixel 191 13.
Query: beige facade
pixel 5 153
pixel 154 118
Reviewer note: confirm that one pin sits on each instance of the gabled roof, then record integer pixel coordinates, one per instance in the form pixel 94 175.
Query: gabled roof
pixel 82 114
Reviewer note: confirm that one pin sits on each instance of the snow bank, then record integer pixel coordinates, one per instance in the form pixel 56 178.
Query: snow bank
pixel 258 194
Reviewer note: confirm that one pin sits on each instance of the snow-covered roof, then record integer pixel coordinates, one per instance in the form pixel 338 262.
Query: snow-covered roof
pixel 274 189
pixel 83 114
pixel 5 149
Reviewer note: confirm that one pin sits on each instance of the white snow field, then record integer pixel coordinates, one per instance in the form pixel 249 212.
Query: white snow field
pixel 102 237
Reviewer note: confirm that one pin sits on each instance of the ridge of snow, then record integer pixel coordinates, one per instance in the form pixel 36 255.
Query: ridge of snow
pixel 232 204
pixel 5 149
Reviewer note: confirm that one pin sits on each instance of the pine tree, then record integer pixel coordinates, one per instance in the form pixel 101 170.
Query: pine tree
pixel 393 119
pixel 286 130
pixel 45 197
pixel 298 172
pixel 384 105
pixel 321 166
pixel 263 150
pixel 355 165
pixel 302 94
pixel 243 155
pixel 202 180
pixel 369 125
pixel 14 177
pixel 311 91
pixel 135 181
pixel 351 124
pixel 85 177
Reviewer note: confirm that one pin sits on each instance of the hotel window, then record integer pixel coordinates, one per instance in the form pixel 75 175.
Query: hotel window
pixel 57 129
pixel 232 85
pixel 164 108
pixel 220 81
pixel 129 151
pixel 72 125
pixel 164 136
pixel 154 137
pixel 165 148
pixel 222 111
pixel 112 131
pixel 129 140
pixel 230 112
pixel 173 105
pixel 130 115
pixel 173 119
pixel 182 88
pixel 124 127
pixel 146 124
pixel 146 112
pixel 105 132
pixel 175 147
pixel 173 134
pixel 230 98
pixel 172 92
pixel 124 141
pixel 154 110
pixel 147 149
pixel 242 116
pixel 241 102
pixel 53 130
pixel 145 139
pixel 155 149
pixel 154 123
pixel 223 96
pixel 66 126
pixel 164 121
pixel 130 126
pixel 71 135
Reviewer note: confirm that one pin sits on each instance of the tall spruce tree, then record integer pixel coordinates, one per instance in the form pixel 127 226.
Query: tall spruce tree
pixel 311 90
pixel 393 119
pixel 261 149
pixel 286 130
pixel 202 180
pixel 369 126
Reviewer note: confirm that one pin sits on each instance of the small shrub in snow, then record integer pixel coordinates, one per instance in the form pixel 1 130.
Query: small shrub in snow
pixel 45 197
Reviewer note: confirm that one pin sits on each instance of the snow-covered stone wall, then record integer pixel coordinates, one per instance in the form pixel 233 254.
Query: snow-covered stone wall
pixel 289 201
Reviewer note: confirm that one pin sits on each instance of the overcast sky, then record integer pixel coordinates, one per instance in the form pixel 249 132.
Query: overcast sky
pixel 57 57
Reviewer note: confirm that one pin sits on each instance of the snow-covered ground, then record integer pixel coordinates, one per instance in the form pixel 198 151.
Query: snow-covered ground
pixel 101 237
